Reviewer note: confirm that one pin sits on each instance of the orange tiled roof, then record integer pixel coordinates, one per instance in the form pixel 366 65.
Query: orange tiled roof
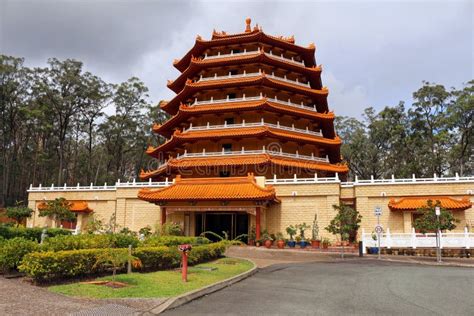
pixel 197 64
pixel 415 203
pixel 75 206
pixel 186 111
pixel 257 35
pixel 240 160
pixel 211 189
pixel 252 131
pixel 192 87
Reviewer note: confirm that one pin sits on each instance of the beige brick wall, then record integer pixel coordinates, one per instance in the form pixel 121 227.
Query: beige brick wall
pixel 299 203
pixel 370 196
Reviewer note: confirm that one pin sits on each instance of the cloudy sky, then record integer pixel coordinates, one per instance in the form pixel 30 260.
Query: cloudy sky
pixel 374 53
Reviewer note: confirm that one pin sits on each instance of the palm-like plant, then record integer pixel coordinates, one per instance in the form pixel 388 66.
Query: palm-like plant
pixel 116 259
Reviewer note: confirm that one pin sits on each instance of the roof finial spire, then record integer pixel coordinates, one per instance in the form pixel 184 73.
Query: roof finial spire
pixel 247 27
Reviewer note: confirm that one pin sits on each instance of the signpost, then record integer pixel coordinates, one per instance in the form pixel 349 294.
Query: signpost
pixel 378 228
pixel 438 235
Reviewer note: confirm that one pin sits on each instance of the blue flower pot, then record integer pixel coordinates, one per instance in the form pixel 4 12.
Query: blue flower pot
pixel 373 250
pixel 291 243
pixel 303 244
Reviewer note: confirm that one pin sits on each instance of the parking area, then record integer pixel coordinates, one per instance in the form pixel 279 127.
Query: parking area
pixel 354 286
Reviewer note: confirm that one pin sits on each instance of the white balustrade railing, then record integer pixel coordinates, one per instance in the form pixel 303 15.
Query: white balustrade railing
pixel 416 240
pixel 254 52
pixel 253 74
pixel 228 100
pixel 292 60
pixel 104 187
pixel 296 105
pixel 257 124
pixel 230 76
pixel 254 98
pixel 272 75
pixel 251 152
pixel 413 179
pixel 274 180
pixel 232 54
pixel 296 180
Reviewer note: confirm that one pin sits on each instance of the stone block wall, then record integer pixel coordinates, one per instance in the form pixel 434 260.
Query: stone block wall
pixel 299 203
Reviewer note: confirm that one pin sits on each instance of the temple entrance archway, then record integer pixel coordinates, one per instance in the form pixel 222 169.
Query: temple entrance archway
pixel 233 223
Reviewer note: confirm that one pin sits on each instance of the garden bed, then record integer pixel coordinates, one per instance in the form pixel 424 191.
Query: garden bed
pixel 158 284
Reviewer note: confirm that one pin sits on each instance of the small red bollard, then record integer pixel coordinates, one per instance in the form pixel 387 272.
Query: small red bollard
pixel 184 260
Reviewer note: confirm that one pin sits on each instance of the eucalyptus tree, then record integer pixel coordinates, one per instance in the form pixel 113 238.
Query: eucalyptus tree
pixel 14 99
pixel 62 89
pixel 430 135
pixel 461 124
pixel 122 133
pixel 98 98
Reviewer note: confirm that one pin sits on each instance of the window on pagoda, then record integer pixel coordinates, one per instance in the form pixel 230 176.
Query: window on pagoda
pixel 227 148
pixel 229 121
pixel 231 95
pixel 233 72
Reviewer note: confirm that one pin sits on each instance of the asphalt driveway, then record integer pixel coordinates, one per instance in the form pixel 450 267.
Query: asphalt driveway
pixel 352 287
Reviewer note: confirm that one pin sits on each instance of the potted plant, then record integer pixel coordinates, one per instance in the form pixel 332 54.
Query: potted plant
pixel 267 239
pixel 315 242
pixel 291 230
pixel 302 228
pixel 298 240
pixel 280 240
pixel 252 236
pixel 374 250
pixel 325 243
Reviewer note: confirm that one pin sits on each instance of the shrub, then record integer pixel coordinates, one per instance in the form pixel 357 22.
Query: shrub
pixel 9 232
pixel 123 240
pixel 48 266
pixel 13 250
pixel 170 229
pixel 88 241
pixel 173 241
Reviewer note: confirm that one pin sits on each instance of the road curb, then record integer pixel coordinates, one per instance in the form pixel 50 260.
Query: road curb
pixel 436 264
pixel 190 296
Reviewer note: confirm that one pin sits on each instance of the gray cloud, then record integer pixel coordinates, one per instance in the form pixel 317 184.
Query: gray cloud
pixel 374 53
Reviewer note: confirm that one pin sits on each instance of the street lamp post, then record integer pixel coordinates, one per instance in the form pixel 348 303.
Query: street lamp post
pixel 438 237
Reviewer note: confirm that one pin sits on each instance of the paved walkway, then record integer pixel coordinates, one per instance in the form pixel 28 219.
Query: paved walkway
pixel 350 287
pixel 264 257
pixel 21 298
pixel 457 262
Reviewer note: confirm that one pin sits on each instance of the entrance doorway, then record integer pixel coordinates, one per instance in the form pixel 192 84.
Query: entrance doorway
pixel 233 223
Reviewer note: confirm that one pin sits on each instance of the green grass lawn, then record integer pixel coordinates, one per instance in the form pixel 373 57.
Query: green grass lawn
pixel 158 284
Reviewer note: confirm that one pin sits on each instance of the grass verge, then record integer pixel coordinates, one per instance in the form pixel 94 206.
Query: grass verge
pixel 159 284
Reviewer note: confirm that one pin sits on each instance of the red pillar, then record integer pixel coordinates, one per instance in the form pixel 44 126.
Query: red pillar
pixel 184 271
pixel 163 215
pixel 257 223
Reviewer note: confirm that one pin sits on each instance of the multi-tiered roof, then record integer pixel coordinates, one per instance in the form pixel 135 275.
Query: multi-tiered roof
pixel 247 102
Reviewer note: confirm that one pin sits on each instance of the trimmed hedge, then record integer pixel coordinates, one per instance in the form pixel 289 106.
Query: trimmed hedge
pixel 13 250
pixel 87 241
pixel 50 266
pixel 173 241
pixel 76 242
pixel 9 232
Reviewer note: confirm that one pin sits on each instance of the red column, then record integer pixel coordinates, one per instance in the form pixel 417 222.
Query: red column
pixel 257 223
pixel 184 271
pixel 163 215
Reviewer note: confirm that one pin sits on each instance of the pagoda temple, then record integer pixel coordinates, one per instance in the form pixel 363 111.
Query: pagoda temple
pixel 247 105
pixel 251 149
